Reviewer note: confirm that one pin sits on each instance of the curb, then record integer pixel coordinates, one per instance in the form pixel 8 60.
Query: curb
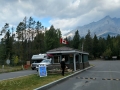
pixel 49 85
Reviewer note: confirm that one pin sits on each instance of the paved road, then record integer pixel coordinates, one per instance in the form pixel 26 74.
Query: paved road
pixel 5 76
pixel 104 76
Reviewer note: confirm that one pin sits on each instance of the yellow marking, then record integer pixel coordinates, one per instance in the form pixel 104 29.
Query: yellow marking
pixel 117 79
pixel 88 78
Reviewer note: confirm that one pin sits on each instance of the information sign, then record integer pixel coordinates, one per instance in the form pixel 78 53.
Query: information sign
pixel 42 70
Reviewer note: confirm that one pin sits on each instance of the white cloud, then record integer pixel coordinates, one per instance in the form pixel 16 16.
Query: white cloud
pixel 74 4
pixel 64 23
pixel 64 14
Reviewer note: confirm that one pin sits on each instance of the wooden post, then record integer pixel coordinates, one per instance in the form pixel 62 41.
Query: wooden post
pixel 74 63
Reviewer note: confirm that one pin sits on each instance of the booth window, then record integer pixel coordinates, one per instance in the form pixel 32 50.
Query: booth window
pixel 56 59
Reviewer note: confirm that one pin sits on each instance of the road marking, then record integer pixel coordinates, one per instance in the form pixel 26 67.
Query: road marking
pixel 111 79
pixel 117 79
pixel 86 78
pixel 105 71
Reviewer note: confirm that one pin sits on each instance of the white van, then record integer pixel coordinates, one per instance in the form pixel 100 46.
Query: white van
pixel 37 59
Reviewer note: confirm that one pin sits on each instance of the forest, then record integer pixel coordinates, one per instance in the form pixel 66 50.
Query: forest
pixel 30 37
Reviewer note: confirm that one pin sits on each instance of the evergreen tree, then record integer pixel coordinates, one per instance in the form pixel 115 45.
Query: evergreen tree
pixel 38 27
pixel 39 43
pixel 30 35
pixel 95 46
pixel 21 38
pixel 114 46
pixel 58 36
pixel 2 52
pixel 51 38
pixel 69 39
pixel 101 46
pixel 88 45
pixel 20 31
pixel 107 53
pixel 8 44
pixel 76 40
pixel 118 49
pixel 108 41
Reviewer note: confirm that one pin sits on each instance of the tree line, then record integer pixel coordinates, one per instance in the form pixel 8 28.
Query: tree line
pixel 31 37
pixel 97 47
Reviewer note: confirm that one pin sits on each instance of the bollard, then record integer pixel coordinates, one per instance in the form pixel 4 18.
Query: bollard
pixel 22 67
pixel 2 66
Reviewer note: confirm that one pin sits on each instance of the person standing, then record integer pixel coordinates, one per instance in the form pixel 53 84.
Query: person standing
pixel 63 66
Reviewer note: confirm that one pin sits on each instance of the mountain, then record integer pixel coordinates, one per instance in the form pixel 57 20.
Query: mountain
pixel 101 28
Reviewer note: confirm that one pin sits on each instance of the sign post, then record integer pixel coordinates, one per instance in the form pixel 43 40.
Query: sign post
pixel 8 61
pixel 42 70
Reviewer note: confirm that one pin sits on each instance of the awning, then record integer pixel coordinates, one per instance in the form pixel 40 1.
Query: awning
pixel 49 55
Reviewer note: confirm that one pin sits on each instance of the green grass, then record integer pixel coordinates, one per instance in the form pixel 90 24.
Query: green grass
pixel 28 82
pixel 11 69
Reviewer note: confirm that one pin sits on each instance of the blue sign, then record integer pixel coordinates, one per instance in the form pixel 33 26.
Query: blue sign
pixel 42 70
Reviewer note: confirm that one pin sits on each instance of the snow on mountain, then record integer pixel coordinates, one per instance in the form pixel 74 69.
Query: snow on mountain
pixel 101 28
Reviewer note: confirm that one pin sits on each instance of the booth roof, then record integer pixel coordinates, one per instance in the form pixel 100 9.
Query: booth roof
pixel 65 50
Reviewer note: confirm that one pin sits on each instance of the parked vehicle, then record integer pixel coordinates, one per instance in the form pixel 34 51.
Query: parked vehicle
pixel 43 62
pixel 36 59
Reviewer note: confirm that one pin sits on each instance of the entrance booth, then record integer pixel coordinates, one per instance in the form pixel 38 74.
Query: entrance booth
pixel 74 58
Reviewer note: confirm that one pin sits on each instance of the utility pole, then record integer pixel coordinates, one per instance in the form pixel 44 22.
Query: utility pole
pixel 82 61
pixel 82 47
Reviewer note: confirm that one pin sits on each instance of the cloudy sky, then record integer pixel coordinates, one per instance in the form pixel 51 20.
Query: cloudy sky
pixel 63 14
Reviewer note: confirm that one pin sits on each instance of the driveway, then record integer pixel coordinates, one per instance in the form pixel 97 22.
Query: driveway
pixel 104 76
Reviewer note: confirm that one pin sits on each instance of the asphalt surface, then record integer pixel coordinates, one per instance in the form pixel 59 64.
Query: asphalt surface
pixel 104 76
pixel 10 75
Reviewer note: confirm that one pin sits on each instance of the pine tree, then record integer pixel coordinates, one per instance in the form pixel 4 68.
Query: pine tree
pixel 88 44
pixel 52 38
pixel 39 43
pixel 38 27
pixel 20 38
pixel 101 46
pixel 76 40
pixel 95 46
pixel 2 52
pixel 69 39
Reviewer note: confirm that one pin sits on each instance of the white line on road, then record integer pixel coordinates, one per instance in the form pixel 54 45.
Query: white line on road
pixel 106 71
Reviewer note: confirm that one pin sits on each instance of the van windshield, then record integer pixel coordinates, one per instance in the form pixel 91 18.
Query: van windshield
pixel 36 61
pixel 45 61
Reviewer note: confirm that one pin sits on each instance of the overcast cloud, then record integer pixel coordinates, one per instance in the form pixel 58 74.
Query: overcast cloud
pixel 63 14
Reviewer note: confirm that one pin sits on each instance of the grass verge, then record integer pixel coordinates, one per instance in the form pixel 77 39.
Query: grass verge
pixel 11 69
pixel 28 82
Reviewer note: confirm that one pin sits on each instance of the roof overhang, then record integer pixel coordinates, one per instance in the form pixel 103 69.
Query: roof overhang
pixel 64 52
